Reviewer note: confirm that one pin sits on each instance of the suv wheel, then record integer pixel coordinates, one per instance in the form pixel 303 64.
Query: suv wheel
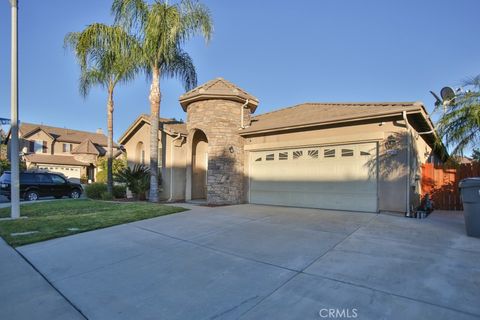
pixel 31 196
pixel 75 194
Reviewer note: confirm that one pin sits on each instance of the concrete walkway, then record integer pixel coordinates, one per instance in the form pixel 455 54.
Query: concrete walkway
pixel 25 294
pixel 264 262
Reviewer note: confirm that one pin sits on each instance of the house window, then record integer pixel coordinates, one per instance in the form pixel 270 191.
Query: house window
pixel 140 153
pixel 329 153
pixel 38 146
pixel 270 157
pixel 347 153
pixel 67 147
pixel 364 153
pixel 283 156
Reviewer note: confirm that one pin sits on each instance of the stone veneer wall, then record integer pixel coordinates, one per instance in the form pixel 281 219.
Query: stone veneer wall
pixel 220 120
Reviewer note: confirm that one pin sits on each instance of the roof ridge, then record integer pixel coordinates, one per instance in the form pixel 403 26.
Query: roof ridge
pixel 42 126
pixel 379 103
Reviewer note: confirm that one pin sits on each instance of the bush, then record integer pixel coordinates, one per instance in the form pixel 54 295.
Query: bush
pixel 106 196
pixel 118 164
pixel 98 190
pixel 137 180
pixel 95 190
pixel 119 192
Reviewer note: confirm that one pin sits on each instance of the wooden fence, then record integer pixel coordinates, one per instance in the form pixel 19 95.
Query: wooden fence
pixel 441 183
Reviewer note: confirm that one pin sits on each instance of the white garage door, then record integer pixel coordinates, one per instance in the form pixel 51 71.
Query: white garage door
pixel 342 177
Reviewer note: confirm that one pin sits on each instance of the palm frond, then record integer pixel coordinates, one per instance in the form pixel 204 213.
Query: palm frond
pixel 106 54
pixel 130 14
pixel 180 66
pixel 195 17
pixel 459 126
pixel 90 78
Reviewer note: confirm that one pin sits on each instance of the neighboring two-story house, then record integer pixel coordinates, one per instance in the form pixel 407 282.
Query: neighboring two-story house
pixel 73 153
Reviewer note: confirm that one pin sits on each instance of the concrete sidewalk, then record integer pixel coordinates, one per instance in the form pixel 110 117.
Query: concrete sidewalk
pixel 25 294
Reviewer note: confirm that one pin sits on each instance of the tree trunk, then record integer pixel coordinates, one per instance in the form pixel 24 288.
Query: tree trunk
pixel 110 141
pixel 155 97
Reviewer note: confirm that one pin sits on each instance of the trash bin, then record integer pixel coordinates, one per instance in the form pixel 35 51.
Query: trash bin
pixel 470 193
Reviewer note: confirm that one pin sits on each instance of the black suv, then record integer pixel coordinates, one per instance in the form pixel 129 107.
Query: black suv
pixel 41 184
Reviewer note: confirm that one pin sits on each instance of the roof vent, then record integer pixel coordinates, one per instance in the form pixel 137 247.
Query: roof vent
pixel 99 131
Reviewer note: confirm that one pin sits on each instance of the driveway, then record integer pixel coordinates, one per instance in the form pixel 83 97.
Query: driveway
pixel 264 262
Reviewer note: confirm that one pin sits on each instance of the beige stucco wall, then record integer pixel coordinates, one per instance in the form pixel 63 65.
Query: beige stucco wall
pixel 392 188
pixel 421 152
pixel 176 164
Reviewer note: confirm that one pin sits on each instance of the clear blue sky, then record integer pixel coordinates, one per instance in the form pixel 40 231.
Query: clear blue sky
pixel 283 52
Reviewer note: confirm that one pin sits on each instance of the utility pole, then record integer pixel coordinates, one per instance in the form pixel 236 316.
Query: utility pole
pixel 14 149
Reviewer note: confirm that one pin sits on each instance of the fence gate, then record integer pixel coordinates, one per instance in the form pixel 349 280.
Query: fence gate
pixel 441 183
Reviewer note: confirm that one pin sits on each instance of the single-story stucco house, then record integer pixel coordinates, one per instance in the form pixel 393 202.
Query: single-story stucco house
pixel 345 156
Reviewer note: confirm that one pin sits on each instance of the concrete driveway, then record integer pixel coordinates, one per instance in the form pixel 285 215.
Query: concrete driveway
pixel 263 262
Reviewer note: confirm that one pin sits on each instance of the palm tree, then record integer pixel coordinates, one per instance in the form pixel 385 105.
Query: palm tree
pixel 162 29
pixel 460 124
pixel 106 57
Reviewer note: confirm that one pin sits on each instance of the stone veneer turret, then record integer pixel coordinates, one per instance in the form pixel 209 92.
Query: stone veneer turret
pixel 216 109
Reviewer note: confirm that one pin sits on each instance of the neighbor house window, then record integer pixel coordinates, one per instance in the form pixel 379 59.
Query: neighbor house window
pixel 38 146
pixel 67 147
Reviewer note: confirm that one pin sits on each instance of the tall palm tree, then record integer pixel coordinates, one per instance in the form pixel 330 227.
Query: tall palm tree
pixel 460 124
pixel 162 29
pixel 106 57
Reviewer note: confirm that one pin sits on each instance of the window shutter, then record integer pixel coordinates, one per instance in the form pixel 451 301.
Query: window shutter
pixel 44 147
pixel 31 146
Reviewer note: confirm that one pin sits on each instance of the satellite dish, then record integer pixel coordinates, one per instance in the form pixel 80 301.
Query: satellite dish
pixel 438 101
pixel 448 95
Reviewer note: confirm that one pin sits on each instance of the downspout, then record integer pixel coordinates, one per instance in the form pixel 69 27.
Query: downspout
pixel 170 199
pixel 407 124
pixel 242 126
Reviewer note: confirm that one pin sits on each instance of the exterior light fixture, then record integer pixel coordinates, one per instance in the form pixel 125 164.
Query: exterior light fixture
pixel 231 149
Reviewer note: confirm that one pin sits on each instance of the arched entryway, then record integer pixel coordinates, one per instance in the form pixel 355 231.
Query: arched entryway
pixel 199 165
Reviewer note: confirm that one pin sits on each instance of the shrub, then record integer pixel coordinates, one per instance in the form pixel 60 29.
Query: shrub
pixel 118 164
pixel 119 191
pixel 106 196
pixel 95 190
pixel 137 179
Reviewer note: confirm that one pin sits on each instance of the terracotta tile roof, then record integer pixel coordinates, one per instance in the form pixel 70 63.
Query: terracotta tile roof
pixel 86 147
pixel 218 87
pixel 310 114
pixel 64 134
pixel 176 128
pixel 54 159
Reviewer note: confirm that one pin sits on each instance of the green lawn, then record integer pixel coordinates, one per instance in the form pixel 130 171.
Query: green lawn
pixel 53 219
